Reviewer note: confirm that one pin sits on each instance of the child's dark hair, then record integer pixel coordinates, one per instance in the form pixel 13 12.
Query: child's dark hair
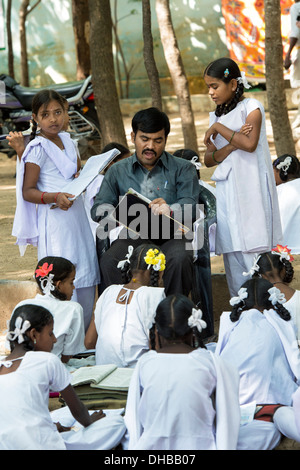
pixel 38 318
pixel 269 262
pixel 187 154
pixel 226 69
pixel 293 170
pixel 43 98
pixel 171 320
pixel 258 297
pixel 61 269
pixel 137 261
pixel 150 120
pixel 115 145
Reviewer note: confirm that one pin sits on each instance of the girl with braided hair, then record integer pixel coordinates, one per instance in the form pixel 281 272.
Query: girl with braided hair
pixel 246 194
pixel 181 397
pixel 48 163
pixel 276 267
pixel 258 338
pixel 119 329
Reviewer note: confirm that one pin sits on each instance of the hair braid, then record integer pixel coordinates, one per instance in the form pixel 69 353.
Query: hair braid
pixel 33 130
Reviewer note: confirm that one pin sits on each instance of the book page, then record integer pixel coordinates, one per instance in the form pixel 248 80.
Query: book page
pixel 119 379
pixel 93 166
pixel 91 374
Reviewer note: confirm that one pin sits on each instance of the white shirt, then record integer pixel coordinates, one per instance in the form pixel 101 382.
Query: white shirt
pixel 25 420
pixel 123 333
pixel 289 207
pixel 68 323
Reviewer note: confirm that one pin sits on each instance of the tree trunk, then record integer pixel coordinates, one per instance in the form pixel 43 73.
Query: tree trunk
pixel 104 83
pixel 81 27
pixel 282 132
pixel 23 43
pixel 10 52
pixel 149 59
pixel 176 68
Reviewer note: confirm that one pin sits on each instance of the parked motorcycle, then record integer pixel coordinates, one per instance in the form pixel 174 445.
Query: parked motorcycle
pixel 15 113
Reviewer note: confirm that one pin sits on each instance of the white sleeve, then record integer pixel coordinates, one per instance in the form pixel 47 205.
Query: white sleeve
pixel 294 12
pixel 74 339
pixel 59 376
pixel 36 155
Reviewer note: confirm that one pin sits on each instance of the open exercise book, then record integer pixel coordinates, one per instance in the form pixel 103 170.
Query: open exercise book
pixel 92 168
pixel 134 213
pixel 107 377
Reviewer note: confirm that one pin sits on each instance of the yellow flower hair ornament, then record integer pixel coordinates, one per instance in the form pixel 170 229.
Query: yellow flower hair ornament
pixel 156 259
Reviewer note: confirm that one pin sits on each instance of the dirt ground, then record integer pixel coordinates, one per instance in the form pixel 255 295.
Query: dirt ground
pixel 13 267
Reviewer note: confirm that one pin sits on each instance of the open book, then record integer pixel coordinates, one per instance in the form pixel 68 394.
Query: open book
pixel 134 213
pixel 107 377
pixel 92 168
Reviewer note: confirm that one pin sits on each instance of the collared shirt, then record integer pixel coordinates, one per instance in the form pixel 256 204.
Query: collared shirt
pixel 172 178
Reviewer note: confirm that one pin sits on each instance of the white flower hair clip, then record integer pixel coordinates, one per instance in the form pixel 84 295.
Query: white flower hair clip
pixel 195 320
pixel 242 79
pixel 284 166
pixel 196 163
pixel 242 294
pixel 255 267
pixel 122 263
pixel 19 331
pixel 276 296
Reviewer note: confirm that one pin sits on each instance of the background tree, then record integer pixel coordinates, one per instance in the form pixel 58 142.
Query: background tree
pixel 282 132
pixel 25 10
pixel 104 84
pixel 177 72
pixel 10 52
pixel 81 28
pixel 149 59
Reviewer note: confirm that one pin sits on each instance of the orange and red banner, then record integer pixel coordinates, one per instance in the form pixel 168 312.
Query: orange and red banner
pixel 245 32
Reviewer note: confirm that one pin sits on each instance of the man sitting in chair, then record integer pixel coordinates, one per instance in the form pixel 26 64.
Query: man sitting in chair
pixel 171 183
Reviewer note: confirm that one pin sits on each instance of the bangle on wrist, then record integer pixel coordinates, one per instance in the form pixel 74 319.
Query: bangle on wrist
pixel 55 197
pixel 213 157
pixel 42 198
pixel 232 137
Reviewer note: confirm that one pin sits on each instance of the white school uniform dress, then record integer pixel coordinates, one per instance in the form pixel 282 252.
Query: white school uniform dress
pixel 123 329
pixel 182 402
pixel 246 198
pixel 293 306
pixel 295 56
pixel 68 323
pixel 56 232
pixel 289 206
pixel 26 423
pixel 264 349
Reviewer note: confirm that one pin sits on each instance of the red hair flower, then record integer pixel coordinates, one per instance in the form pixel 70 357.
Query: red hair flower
pixel 284 252
pixel 44 270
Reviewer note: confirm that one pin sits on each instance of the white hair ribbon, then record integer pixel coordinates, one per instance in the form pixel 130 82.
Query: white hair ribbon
pixel 276 296
pixel 242 294
pixel 47 285
pixel 196 163
pixel 284 166
pixel 19 331
pixel 255 267
pixel 122 263
pixel 195 320
pixel 242 79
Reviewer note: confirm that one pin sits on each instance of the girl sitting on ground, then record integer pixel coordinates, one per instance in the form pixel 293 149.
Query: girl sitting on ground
pixel 258 338
pixel 181 396
pixel 26 376
pixel 119 328
pixel 55 278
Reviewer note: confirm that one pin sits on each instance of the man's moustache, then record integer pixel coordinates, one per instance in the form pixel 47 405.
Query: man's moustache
pixel 148 150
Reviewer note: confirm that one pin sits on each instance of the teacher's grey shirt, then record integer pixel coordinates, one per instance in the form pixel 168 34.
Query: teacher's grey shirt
pixel 173 179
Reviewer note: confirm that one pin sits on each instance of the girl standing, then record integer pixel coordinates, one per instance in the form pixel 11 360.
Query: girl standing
pixel 246 195
pixel 48 163
pixel 55 278
pixel 181 396
pixel 258 339
pixel 26 376
pixel 119 329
